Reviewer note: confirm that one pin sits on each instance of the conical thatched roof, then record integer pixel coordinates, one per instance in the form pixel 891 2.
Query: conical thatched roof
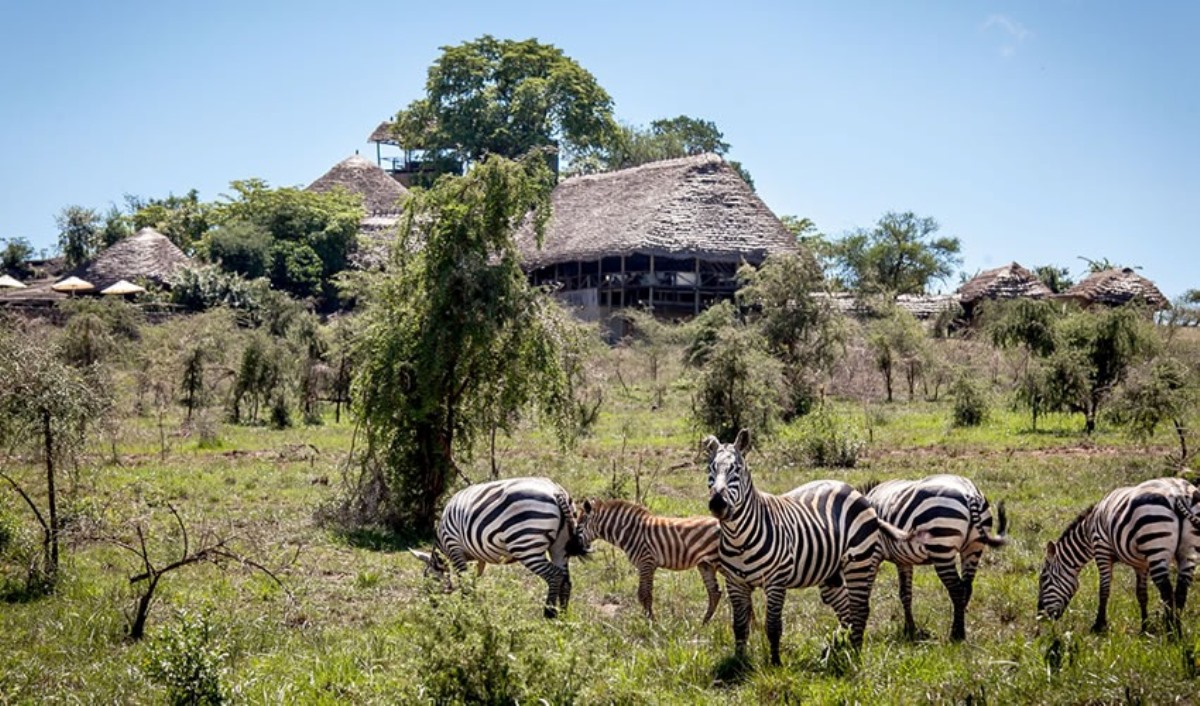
pixel 1116 287
pixel 692 206
pixel 383 134
pixel 1008 282
pixel 148 254
pixel 358 175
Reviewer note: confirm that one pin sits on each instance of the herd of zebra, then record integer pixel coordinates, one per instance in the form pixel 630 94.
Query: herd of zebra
pixel 826 534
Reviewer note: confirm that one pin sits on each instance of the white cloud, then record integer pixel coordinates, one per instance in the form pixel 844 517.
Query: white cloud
pixel 1014 33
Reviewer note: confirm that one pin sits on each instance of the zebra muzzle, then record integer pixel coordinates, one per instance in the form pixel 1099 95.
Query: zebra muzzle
pixel 718 506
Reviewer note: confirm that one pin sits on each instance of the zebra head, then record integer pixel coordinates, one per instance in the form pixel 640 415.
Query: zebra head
pixel 1057 584
pixel 586 520
pixel 728 477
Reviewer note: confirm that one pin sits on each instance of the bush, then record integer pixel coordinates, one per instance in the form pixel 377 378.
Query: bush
pixel 970 401
pixel 739 386
pixel 824 440
pixel 189 660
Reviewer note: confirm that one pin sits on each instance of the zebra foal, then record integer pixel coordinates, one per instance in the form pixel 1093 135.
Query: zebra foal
pixel 653 542
pixel 823 534
pixel 1146 526
pixel 956 521
pixel 517 519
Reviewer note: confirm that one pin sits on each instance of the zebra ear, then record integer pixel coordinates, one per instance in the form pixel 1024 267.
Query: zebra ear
pixel 710 444
pixel 742 442
pixel 1051 550
pixel 587 504
pixel 425 557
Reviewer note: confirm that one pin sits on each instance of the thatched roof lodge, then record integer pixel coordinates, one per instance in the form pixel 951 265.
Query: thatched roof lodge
pixel 667 234
pixel 148 255
pixel 381 194
pixel 1115 287
pixel 1008 282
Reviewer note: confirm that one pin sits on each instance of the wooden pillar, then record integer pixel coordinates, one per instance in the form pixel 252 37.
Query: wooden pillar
pixel 652 281
pixel 696 287
pixel 622 281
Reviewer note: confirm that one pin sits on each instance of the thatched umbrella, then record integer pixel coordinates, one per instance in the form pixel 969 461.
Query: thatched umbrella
pixel 10 282
pixel 123 287
pixel 71 285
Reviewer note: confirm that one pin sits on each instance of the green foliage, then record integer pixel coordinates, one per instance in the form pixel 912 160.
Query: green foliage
pixel 1104 345
pixel 971 403
pixel 15 256
pixel 899 345
pixel 206 287
pixel 78 234
pixel 825 439
pixel 455 340
pixel 899 255
pixel 739 386
pixel 240 247
pixel 1025 322
pixel 189 660
pixel 1165 390
pixel 802 331
pixel 704 331
pixel 506 97
pixel 183 219
pixel 1058 279
pixel 261 381
pixel 117 227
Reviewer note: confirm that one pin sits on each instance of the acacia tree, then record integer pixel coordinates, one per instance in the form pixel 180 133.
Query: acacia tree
pixel 506 97
pixel 899 344
pixel 78 234
pixel 455 340
pixel 900 255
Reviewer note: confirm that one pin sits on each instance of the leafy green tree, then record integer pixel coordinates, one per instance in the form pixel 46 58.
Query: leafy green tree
pixel 78 234
pixel 899 345
pixel 454 338
pixel 117 226
pixel 1058 279
pixel 900 255
pixel 240 247
pixel 802 331
pixel 183 219
pixel 15 256
pixel 739 385
pixel 505 97
pixel 1165 391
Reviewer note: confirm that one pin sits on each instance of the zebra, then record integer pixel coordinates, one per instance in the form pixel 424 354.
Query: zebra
pixel 823 533
pixel 957 521
pixel 1145 526
pixel 517 519
pixel 652 542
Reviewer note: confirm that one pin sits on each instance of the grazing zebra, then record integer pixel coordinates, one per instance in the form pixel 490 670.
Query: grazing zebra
pixel 1145 526
pixel 823 534
pixel 652 542
pixel 956 521
pixel 518 519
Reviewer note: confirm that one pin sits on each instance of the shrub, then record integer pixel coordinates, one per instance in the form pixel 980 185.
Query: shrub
pixel 970 401
pixel 739 386
pixel 824 440
pixel 189 661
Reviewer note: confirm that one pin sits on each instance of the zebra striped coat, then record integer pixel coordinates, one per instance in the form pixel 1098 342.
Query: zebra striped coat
pixel 823 534
pixel 652 542
pixel 955 521
pixel 517 519
pixel 1146 526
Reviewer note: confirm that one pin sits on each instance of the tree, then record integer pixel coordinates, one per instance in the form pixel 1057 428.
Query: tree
pixel 898 342
pixel 78 234
pixel 183 219
pixel 1058 279
pixel 240 247
pixel 739 384
pixel 802 331
pixel 15 256
pixel 1164 391
pixel 900 255
pixel 506 97
pixel 455 338
pixel 117 226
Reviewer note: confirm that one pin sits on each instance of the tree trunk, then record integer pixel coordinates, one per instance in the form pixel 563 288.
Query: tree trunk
pixel 887 381
pixel 52 496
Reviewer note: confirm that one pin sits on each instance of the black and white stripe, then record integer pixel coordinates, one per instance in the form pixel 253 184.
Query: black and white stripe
pixel 1146 526
pixel 823 534
pixel 517 519
pixel 955 521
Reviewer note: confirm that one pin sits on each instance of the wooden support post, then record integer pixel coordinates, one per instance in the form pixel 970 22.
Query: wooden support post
pixel 652 282
pixel 696 286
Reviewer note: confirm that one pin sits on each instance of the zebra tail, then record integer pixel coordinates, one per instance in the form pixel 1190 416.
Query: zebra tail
pixel 997 540
pixel 893 532
pixel 577 545
pixel 1184 510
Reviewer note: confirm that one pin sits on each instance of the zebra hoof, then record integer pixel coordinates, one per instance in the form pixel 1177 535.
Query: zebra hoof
pixel 549 613
pixel 1099 628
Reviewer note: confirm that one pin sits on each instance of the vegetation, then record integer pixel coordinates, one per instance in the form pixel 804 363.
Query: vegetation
pixel 15 256
pixel 78 234
pixel 900 255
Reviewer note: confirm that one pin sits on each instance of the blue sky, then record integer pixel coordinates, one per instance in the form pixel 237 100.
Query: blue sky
pixel 1034 131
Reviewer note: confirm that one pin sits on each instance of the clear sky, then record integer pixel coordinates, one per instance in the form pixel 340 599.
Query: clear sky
pixel 1034 131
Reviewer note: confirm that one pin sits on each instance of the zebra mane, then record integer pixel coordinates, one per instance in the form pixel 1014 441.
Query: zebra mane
pixel 617 503
pixel 867 487
pixel 1079 519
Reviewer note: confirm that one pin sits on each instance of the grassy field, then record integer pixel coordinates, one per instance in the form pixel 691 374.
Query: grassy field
pixel 355 623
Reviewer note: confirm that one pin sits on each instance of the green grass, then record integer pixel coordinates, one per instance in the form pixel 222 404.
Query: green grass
pixel 361 626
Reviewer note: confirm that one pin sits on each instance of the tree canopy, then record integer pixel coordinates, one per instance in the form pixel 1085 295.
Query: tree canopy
pixel 78 234
pixel 900 255
pixel 506 97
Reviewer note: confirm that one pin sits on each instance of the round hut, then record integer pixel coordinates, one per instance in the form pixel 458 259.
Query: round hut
pixel 1008 282
pixel 148 255
pixel 1115 287
pixel 382 196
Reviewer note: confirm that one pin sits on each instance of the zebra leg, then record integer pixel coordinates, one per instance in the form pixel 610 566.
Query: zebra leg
pixel 739 602
pixel 1104 563
pixel 775 599
pixel 906 594
pixel 646 569
pixel 552 575
pixel 1183 577
pixel 948 573
pixel 708 573
pixel 1160 574
pixel 835 595
pixel 1143 598
pixel 559 558
pixel 859 581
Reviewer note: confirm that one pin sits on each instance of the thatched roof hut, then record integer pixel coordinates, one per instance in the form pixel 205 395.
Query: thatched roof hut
pixel 667 234
pixel 383 134
pixel 1115 287
pixel 381 194
pixel 1008 282
pixel 147 254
